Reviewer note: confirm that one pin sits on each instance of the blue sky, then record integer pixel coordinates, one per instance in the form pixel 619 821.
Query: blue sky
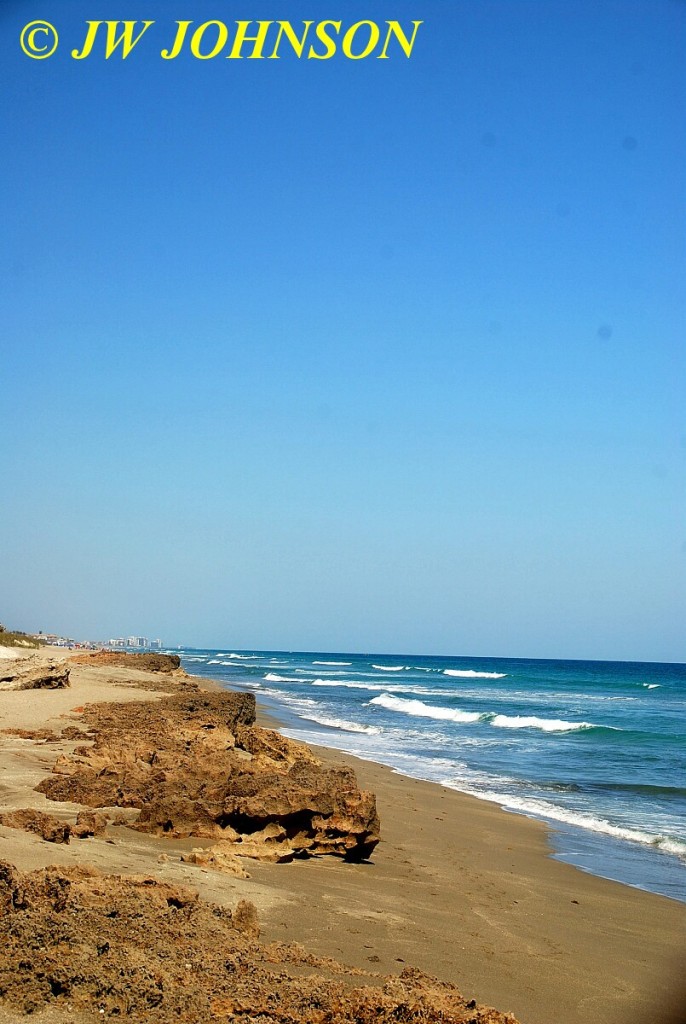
pixel 349 355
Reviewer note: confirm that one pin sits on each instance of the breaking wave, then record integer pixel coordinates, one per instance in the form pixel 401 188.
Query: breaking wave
pixel 421 710
pixel 469 673
pixel 341 723
pixel 376 687
pixel 532 722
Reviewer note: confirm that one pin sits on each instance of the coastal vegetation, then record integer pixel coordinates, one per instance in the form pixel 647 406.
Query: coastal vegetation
pixel 15 638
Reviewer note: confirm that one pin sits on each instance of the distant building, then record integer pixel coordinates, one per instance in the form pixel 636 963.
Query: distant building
pixel 138 643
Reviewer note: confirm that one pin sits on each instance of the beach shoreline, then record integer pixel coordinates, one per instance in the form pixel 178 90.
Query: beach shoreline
pixel 593 749
pixel 457 887
pixel 549 941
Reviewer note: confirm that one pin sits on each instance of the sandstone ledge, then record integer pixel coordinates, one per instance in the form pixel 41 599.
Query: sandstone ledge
pixel 33 674
pixel 143 662
pixel 196 765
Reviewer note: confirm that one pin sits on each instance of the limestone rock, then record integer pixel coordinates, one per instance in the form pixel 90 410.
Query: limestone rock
pixel 219 857
pixel 49 828
pixel 271 744
pixel 196 765
pixel 276 853
pixel 34 674
pixel 52 829
pixel 126 659
pixel 89 823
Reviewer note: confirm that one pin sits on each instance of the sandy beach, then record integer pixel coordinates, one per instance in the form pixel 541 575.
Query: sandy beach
pixel 457 887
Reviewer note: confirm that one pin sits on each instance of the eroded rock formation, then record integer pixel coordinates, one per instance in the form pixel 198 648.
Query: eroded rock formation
pixel 49 828
pixel 195 764
pixel 33 674
pixel 146 951
pixel 52 829
pixel 126 659
pixel 47 735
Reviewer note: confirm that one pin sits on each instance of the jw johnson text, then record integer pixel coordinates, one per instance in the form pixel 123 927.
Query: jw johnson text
pixel 252 40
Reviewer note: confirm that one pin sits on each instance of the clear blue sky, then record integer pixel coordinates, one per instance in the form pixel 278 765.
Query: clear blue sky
pixel 349 355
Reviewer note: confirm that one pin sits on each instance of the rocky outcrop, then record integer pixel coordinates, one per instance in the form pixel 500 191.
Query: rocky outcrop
pixel 89 823
pixel 110 947
pixel 33 674
pixel 52 829
pixel 220 857
pixel 49 828
pixel 123 659
pixel 47 735
pixel 196 765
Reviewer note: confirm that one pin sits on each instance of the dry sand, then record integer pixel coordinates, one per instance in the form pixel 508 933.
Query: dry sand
pixel 457 887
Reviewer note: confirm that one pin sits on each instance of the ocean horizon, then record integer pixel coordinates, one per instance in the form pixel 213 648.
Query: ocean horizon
pixel 595 749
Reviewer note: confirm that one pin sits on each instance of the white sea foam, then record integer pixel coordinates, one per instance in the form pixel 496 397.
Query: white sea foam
pixel 477 784
pixel 591 697
pixel 677 846
pixel 214 661
pixel 295 702
pixel 349 686
pixel 544 809
pixel 244 657
pixel 341 723
pixel 390 668
pixel 332 662
pixel 272 677
pixel 651 686
pixel 531 722
pixel 421 710
pixel 385 686
pixel 469 673
pixel 331 672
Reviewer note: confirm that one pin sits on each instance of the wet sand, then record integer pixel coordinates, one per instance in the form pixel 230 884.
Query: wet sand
pixel 457 887
pixel 469 892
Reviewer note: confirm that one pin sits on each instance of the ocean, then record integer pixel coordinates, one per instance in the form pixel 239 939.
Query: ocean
pixel 596 749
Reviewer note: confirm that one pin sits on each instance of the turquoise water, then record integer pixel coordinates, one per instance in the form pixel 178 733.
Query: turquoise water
pixel 596 749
